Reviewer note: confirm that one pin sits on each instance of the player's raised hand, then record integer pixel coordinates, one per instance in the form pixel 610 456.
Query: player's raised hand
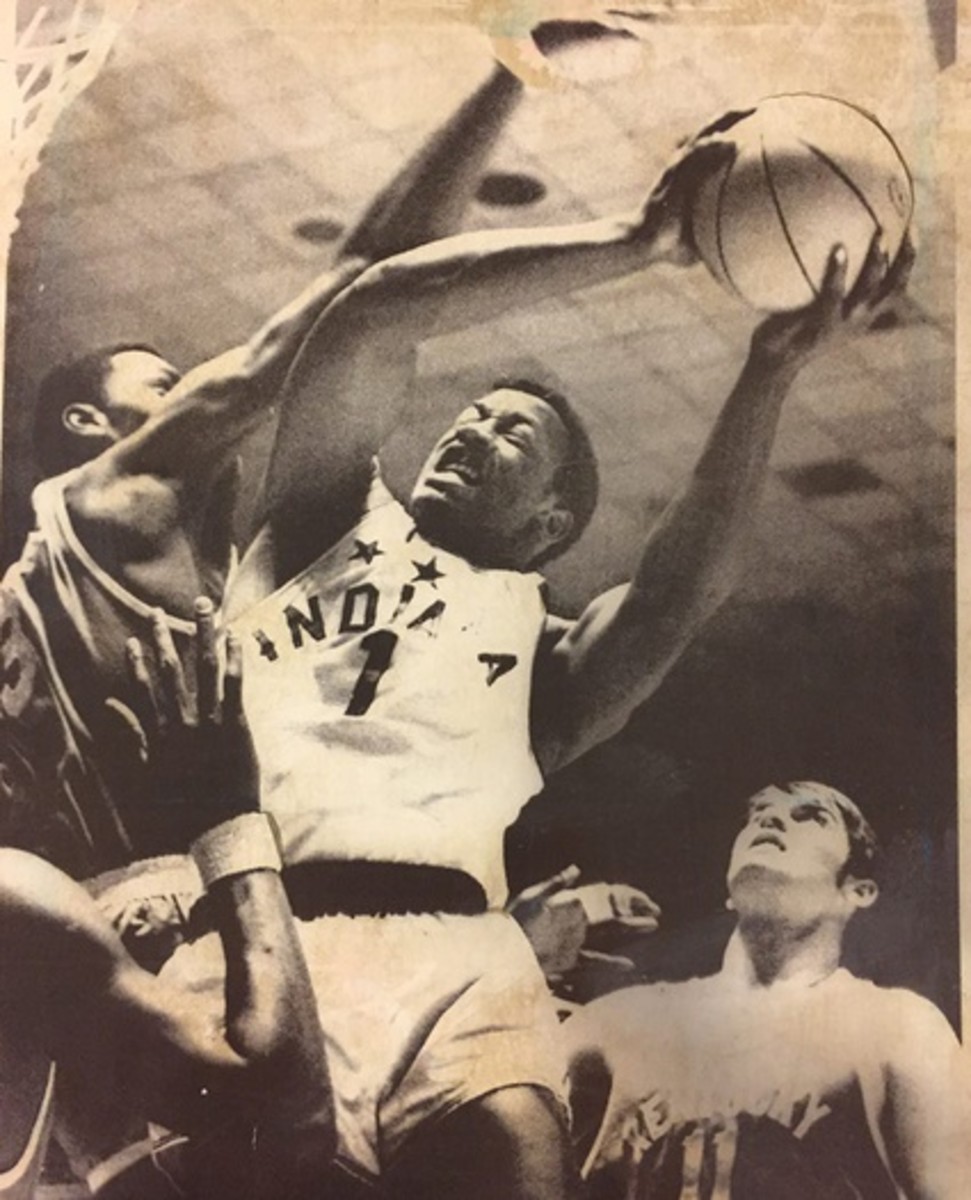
pixel 664 223
pixel 790 339
pixel 197 752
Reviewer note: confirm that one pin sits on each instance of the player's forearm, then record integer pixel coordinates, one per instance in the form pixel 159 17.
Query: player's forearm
pixel 266 976
pixel 269 1000
pixel 620 650
pixel 690 562
pixel 422 203
pixel 428 196
pixel 462 281
pixel 218 404
pixel 272 349
pixel 271 1012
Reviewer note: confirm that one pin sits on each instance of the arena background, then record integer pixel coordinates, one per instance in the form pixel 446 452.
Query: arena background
pixel 201 181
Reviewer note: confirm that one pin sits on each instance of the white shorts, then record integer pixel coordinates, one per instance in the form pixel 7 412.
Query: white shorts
pixel 421 1014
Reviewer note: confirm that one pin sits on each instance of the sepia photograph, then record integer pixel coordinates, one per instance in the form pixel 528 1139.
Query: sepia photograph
pixel 478 645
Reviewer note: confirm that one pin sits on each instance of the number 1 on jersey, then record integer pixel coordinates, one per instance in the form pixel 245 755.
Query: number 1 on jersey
pixel 379 647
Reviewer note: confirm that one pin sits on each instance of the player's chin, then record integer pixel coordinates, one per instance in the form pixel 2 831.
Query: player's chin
pixel 443 518
pixel 454 523
pixel 749 874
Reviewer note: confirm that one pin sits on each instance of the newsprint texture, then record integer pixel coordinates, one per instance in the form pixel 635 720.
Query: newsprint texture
pixel 478 636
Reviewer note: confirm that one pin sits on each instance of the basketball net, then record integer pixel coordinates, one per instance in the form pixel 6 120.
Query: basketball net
pixel 46 60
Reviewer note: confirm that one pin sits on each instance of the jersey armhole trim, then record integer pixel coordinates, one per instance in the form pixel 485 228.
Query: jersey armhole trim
pixel 53 499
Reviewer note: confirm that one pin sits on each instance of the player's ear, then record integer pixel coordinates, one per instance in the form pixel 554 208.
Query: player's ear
pixel 85 419
pixel 862 892
pixel 557 523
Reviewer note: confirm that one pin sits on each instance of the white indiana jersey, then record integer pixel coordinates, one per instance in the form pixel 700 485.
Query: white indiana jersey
pixel 719 1094
pixel 387 688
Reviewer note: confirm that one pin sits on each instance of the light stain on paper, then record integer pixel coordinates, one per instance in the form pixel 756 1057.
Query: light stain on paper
pixel 508 24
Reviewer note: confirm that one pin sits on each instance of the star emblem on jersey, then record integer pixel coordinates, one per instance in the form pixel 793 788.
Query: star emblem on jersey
pixel 427 572
pixel 497 665
pixel 366 551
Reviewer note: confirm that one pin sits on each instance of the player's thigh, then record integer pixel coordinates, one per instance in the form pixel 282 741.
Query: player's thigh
pixel 511 1144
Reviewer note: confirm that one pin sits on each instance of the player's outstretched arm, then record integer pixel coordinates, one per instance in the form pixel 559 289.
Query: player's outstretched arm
pixel 218 403
pixel 926 1117
pixel 345 392
pixel 428 197
pixel 614 657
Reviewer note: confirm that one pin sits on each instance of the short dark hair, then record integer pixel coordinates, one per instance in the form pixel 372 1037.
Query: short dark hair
pixel 80 381
pixel 862 862
pixel 577 479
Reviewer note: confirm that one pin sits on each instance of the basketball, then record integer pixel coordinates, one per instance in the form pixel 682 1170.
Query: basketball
pixel 809 172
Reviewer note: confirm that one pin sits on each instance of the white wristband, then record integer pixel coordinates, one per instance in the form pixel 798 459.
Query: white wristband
pixel 247 842
pixel 597 903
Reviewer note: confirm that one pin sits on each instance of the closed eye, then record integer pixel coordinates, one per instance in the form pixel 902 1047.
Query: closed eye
pixel 517 440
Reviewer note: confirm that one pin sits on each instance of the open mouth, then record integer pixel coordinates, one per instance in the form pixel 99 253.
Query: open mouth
pixel 769 839
pixel 464 462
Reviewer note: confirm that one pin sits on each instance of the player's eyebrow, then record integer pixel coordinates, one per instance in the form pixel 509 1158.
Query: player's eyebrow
pixel 812 807
pixel 166 376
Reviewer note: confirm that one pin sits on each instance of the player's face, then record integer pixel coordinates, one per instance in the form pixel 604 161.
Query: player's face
pixel 137 387
pixel 789 843
pixel 487 490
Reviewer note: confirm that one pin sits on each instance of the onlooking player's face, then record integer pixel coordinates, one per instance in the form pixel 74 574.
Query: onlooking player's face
pixel 789 859
pixel 487 489
pixel 136 387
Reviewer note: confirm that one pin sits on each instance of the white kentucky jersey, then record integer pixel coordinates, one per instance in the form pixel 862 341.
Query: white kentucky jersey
pixel 714 1096
pixel 387 687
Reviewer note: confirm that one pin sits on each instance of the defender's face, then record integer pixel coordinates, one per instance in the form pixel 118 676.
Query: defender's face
pixel 789 841
pixel 137 387
pixel 490 478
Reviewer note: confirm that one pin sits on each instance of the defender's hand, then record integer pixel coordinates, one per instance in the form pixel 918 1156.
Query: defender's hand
pixel 197 754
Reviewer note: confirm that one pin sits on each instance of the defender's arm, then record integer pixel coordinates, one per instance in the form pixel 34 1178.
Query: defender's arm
pixel 217 404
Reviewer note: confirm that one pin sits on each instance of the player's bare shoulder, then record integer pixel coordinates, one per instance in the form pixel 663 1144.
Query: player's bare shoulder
pixel 903 1024
pixel 106 503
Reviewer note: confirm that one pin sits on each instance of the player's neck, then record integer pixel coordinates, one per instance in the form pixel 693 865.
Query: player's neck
pixel 762 953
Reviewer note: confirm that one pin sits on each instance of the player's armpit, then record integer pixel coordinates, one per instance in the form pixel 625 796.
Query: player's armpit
pixel 608 663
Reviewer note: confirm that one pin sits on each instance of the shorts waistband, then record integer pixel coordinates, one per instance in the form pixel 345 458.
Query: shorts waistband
pixel 368 889
pixel 374 889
